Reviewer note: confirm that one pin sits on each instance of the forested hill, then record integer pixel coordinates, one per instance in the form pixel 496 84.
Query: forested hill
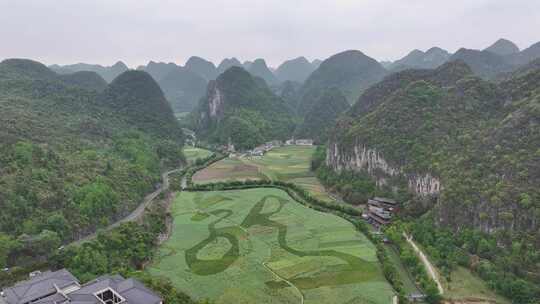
pixel 322 116
pixel 74 159
pixel 241 108
pixel 136 96
pixel 448 134
pixel 467 148
pixel 352 72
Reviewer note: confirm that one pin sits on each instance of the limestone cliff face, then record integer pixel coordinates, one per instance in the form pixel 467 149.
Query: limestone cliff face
pixel 216 101
pixel 361 157
pixel 213 109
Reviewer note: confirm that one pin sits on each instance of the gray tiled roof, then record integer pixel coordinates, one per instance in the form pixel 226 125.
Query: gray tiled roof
pixel 43 287
pixel 132 290
pixel 39 286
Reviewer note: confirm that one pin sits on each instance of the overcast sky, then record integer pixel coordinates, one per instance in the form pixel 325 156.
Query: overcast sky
pixel 136 31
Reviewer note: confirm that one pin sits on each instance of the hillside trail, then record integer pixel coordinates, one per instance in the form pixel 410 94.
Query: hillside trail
pixel 429 267
pixel 135 214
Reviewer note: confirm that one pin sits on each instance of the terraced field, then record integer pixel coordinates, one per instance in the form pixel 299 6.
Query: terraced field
pixel 288 163
pixel 259 246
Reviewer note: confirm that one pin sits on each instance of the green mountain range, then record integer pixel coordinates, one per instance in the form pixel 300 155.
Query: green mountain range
pixel 75 157
pixel 430 59
pixel 468 150
pixel 485 64
pixel 297 70
pixel 158 70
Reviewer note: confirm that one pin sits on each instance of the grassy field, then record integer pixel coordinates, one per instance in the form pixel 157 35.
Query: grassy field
pixel 405 277
pixel 259 246
pixel 466 285
pixel 192 153
pixel 288 163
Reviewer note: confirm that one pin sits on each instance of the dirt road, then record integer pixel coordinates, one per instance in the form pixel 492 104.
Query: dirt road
pixel 429 267
pixel 137 213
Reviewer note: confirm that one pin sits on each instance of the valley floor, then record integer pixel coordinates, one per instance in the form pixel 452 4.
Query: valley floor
pixel 260 246
pixel 287 163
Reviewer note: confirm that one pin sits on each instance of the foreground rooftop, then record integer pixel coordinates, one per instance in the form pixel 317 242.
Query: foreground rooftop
pixel 61 287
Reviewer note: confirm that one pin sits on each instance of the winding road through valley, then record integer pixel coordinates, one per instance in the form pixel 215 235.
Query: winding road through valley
pixel 138 212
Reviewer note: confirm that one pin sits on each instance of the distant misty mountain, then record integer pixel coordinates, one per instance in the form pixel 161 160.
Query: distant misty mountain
pixel 483 63
pixel 494 62
pixel 247 64
pixel 297 69
pixel 386 64
pixel 228 63
pixel 158 70
pixel 527 55
pixel 432 58
pixel 351 72
pixel 108 73
pixel 181 86
pixel 316 63
pixel 503 47
pixel 259 69
pixel 203 67
pixel 29 69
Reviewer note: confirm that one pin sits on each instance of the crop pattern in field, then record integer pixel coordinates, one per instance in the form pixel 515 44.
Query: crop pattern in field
pixel 259 246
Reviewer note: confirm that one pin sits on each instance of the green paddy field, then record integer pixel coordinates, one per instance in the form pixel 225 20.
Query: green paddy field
pixel 260 246
pixel 288 163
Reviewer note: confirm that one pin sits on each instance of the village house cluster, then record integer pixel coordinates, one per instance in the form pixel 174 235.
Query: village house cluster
pixel 262 149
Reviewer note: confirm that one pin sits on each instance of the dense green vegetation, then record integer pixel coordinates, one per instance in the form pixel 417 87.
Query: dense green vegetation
pixel 502 268
pixel 85 80
pixel 73 159
pixel 322 116
pixel 241 110
pixel 413 263
pixel 136 96
pixel 480 139
pixel 123 250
